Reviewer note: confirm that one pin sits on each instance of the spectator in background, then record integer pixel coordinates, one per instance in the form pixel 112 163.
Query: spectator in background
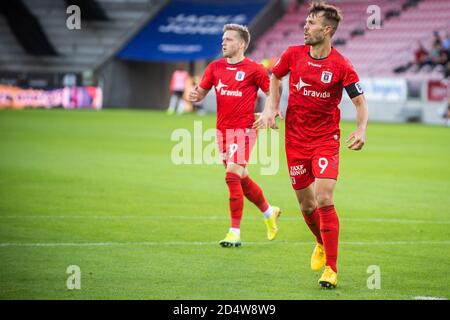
pixel 420 59
pixel 439 55
pixel 178 84
pixel 272 62
pixel 265 62
pixel 269 63
pixel 443 57
pixel 446 42
pixel 447 72
pixel 420 55
pixel 448 108
pixel 446 114
pixel 437 38
pixel 435 56
pixel 446 49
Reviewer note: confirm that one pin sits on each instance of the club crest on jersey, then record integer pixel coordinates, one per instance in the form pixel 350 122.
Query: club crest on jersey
pixel 240 75
pixel 326 76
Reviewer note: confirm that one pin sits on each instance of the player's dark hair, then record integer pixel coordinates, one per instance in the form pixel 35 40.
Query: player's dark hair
pixel 332 14
pixel 242 30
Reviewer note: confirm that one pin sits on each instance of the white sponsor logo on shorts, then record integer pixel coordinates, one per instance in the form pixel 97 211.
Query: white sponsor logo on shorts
pixel 297 170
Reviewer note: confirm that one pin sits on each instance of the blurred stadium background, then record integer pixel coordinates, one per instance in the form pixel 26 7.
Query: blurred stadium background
pixel 125 51
pixel 97 188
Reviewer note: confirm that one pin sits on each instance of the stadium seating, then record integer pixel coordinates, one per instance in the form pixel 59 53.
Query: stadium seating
pixel 375 52
pixel 26 28
pixel 79 50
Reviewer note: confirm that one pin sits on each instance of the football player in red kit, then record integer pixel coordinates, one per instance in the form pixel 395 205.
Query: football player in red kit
pixel 236 80
pixel 318 75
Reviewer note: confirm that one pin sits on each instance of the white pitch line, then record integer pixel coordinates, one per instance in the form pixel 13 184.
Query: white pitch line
pixel 401 221
pixel 224 217
pixel 429 298
pixel 210 243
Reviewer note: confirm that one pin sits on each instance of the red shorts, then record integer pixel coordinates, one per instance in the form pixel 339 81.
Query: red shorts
pixel 235 145
pixel 305 164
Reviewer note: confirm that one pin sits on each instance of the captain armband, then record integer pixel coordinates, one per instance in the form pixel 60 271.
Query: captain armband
pixel 354 90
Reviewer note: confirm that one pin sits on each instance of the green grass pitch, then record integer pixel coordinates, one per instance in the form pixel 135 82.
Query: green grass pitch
pixel 99 190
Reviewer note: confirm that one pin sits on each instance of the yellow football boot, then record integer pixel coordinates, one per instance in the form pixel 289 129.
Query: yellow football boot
pixel 328 279
pixel 231 240
pixel 271 223
pixel 318 257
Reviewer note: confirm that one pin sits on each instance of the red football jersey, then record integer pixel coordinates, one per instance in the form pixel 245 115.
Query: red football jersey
pixel 236 88
pixel 315 91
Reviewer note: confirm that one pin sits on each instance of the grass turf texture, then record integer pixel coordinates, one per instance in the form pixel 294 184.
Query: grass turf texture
pixel 151 228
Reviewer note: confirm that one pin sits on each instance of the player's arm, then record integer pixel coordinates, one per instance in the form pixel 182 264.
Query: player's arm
pixel 358 137
pixel 271 107
pixel 197 94
pixel 200 91
pixel 274 95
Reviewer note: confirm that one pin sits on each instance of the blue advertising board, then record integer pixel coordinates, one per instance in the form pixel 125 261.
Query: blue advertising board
pixel 187 30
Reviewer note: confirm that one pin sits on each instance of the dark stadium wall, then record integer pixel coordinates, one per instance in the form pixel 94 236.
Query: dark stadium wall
pixel 133 84
pixel 265 20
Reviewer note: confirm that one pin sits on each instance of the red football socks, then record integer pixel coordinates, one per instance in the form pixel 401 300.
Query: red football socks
pixel 313 222
pixel 236 198
pixel 254 193
pixel 329 230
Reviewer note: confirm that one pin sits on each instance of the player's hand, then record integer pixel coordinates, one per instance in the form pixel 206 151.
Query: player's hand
pixel 194 95
pixel 266 119
pixel 356 139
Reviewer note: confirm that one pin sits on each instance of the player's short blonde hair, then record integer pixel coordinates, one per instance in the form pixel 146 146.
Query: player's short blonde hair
pixel 242 30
